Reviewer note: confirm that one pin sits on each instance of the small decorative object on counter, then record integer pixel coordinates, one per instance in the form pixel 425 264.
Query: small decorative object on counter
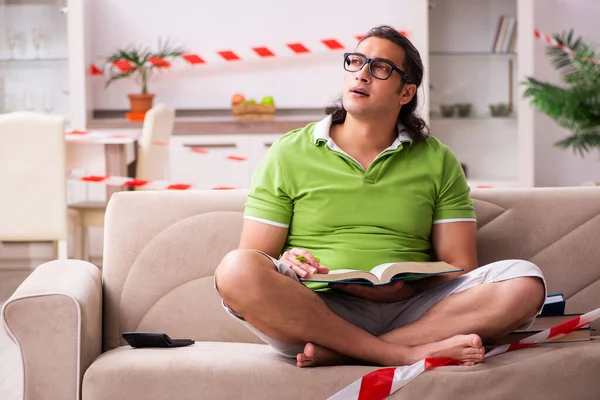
pixel 464 109
pixel 447 110
pixel 243 108
pixel 500 110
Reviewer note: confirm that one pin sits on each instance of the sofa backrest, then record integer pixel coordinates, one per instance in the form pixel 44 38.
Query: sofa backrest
pixel 161 250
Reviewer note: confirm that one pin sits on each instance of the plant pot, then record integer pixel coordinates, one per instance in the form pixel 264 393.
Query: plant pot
pixel 140 103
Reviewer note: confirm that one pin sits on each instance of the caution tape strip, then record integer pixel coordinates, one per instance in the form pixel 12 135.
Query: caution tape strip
pixel 381 383
pixel 254 52
pixel 137 183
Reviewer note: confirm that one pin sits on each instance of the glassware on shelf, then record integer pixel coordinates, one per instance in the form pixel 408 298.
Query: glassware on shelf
pixel 48 102
pixel 8 103
pixel 29 101
pixel 12 39
pixel 37 38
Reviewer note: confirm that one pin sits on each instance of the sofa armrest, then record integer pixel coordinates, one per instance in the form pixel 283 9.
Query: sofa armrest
pixel 55 318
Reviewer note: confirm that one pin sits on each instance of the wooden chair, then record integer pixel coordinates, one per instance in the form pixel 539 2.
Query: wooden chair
pixel 33 204
pixel 151 163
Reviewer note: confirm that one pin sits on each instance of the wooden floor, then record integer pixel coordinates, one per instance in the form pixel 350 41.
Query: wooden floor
pixel 11 375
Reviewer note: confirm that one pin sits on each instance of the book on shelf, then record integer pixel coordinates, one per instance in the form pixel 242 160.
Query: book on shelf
pixel 384 273
pixel 506 35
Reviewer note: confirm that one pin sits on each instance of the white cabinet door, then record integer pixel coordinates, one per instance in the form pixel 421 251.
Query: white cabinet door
pixel 210 161
pixel 259 145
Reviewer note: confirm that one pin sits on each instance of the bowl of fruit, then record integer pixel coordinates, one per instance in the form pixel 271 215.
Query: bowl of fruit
pixel 243 108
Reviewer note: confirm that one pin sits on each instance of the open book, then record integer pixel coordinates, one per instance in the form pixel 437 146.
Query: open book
pixel 384 273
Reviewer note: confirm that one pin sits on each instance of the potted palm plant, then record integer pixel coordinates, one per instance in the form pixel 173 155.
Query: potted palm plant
pixel 139 63
pixel 576 104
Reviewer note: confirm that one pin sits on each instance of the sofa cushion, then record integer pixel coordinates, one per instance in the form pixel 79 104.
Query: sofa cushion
pixel 160 247
pixel 555 228
pixel 161 250
pixel 209 370
pixel 170 286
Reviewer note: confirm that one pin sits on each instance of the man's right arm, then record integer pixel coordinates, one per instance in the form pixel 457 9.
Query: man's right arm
pixel 271 239
pixel 264 237
pixel 268 214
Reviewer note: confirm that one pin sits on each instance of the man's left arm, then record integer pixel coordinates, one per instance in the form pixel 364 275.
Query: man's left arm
pixel 453 235
pixel 454 243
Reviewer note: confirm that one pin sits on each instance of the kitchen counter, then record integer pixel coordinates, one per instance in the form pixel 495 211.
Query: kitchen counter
pixel 207 122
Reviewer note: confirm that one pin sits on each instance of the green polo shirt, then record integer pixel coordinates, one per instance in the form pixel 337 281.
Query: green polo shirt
pixel 351 217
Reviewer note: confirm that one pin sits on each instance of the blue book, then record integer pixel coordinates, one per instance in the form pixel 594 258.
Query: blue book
pixel 554 305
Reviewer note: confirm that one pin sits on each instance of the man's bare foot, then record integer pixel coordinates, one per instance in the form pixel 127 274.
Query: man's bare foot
pixel 314 356
pixel 468 349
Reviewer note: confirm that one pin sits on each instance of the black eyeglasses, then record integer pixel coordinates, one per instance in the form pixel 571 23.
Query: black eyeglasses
pixel 380 69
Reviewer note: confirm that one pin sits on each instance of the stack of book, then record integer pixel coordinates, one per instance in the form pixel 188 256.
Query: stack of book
pixel 505 39
pixel 553 313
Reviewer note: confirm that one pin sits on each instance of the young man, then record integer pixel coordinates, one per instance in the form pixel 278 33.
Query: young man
pixel 367 185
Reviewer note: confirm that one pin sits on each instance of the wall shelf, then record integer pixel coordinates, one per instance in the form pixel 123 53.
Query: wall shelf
pixel 486 118
pixel 471 53
pixel 33 60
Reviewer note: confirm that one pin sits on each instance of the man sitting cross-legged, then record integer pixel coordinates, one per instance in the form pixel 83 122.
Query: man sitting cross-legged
pixel 368 185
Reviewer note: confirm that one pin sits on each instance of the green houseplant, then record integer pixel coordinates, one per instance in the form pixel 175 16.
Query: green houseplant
pixel 576 104
pixel 139 63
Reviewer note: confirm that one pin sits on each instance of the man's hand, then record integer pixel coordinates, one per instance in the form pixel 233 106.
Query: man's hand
pixel 390 293
pixel 303 263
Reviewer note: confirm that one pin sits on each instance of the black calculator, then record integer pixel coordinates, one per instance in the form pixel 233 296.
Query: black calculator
pixel 153 339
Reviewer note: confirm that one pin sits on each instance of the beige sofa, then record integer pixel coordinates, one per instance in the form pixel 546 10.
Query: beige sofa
pixel 161 249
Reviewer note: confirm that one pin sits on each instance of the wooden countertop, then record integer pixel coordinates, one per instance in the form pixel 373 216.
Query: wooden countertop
pixel 209 122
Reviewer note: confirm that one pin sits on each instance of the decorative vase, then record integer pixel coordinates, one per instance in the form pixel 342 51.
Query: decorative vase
pixel 140 103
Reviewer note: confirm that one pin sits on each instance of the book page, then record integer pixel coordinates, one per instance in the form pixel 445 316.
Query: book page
pixel 343 271
pixel 339 275
pixel 380 269
pixel 385 272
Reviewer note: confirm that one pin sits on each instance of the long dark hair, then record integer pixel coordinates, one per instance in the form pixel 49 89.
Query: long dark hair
pixel 413 66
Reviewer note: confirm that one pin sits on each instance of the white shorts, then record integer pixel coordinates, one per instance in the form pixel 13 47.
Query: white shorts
pixel 378 318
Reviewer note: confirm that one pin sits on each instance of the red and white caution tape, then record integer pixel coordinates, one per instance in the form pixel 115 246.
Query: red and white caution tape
pixel 553 333
pixel 383 382
pixel 256 52
pixel 137 183
pixel 263 52
pixel 80 136
pixel 553 42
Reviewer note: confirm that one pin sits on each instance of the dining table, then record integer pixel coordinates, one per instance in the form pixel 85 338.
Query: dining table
pixel 106 152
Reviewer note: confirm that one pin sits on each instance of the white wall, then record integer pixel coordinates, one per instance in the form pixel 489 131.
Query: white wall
pixel 555 166
pixel 295 81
